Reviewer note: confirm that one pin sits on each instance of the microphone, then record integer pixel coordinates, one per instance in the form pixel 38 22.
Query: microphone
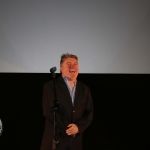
pixel 53 69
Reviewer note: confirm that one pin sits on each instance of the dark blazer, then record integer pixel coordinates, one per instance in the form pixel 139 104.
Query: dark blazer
pixel 80 114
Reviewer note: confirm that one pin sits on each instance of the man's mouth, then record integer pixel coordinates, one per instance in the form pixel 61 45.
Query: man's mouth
pixel 72 71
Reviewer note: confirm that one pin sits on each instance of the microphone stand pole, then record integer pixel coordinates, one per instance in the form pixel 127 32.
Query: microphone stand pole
pixel 54 109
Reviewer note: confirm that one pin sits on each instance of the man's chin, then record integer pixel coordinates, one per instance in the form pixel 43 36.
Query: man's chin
pixel 72 78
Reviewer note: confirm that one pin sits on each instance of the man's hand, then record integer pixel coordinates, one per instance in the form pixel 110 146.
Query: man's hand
pixel 72 129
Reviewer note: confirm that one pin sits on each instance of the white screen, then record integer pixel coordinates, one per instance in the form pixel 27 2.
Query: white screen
pixel 108 36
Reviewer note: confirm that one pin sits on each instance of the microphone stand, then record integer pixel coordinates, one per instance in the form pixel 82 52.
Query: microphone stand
pixel 54 109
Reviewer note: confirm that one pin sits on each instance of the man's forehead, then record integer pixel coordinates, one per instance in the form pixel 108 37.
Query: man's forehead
pixel 71 60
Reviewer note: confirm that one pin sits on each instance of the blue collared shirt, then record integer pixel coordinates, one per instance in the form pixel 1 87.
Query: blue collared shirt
pixel 71 90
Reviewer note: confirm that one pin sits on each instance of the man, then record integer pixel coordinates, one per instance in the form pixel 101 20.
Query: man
pixel 75 110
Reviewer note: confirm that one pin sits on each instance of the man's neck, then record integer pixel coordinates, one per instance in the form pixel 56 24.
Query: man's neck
pixel 71 83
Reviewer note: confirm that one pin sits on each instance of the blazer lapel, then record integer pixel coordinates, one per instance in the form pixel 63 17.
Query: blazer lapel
pixel 77 94
pixel 63 86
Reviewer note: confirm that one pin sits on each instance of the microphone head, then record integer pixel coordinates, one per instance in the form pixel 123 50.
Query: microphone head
pixel 53 69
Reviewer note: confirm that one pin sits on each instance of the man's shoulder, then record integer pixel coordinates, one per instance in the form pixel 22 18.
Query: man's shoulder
pixel 48 82
pixel 51 82
pixel 82 84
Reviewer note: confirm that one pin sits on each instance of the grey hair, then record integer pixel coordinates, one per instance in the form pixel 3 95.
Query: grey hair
pixel 65 56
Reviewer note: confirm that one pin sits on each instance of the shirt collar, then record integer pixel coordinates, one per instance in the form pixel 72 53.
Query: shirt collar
pixel 65 78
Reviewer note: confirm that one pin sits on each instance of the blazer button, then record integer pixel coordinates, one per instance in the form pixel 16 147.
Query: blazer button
pixel 74 111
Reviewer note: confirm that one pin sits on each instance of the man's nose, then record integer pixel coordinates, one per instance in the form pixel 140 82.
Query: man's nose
pixel 72 66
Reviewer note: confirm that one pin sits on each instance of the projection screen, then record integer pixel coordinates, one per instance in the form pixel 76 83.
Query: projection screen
pixel 108 36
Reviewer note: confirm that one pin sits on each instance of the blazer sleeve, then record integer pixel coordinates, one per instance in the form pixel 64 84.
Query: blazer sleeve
pixel 48 104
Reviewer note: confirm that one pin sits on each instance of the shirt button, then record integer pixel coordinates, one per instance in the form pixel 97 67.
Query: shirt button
pixel 74 111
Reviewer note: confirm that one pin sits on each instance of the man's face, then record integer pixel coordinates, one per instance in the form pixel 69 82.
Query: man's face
pixel 70 69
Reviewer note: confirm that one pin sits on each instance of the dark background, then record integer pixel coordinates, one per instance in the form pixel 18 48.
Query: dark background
pixel 121 111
